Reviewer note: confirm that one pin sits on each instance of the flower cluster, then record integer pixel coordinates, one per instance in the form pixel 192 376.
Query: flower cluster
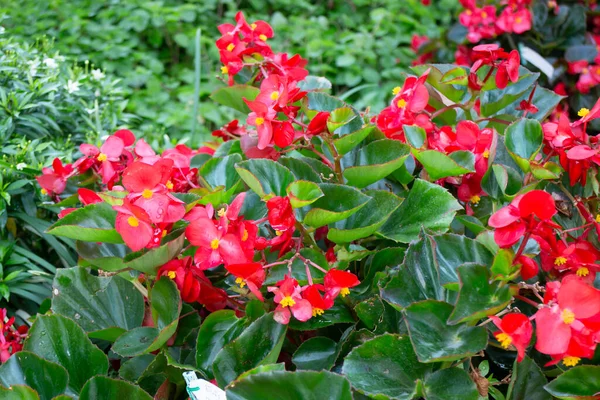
pixel 486 23
pixel 11 337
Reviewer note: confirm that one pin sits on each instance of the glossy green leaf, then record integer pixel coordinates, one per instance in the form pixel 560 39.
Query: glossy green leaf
pixel 450 384
pixel 385 366
pixel 494 100
pixel 347 142
pixel 48 379
pixel 60 340
pixel 428 206
pixel 366 220
pixel 318 353
pixel 436 78
pixel 165 304
pixel 260 343
pixel 105 307
pixel 415 135
pixel 265 177
pixel 375 161
pixel 300 169
pixel 439 165
pixel 524 138
pixel 217 330
pixel 286 385
pixel 132 369
pixel 104 388
pixel 18 392
pixel 262 369
pixel 582 382
pixel 478 298
pixel 338 203
pixel 135 341
pixel 219 171
pixel 435 340
pixel 339 117
pixel 303 193
pixel 503 264
pixel 338 314
pixel 314 83
pixel 527 382
pixel 232 96
pixel 92 223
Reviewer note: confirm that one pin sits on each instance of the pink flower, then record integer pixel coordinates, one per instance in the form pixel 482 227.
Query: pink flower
pixel 290 302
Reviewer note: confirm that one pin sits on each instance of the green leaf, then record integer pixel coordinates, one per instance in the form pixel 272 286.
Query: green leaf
pixel 338 203
pixel 436 77
pixel 450 384
pixel 478 298
pixel 503 264
pixel 428 206
pixel 18 392
pixel 494 100
pixel 524 140
pixel 262 369
pixel 165 303
pixel 232 96
pixel 435 340
pixel 385 366
pixel 318 353
pixel 60 340
pixel 132 369
pixel 375 161
pixel 303 193
pixel 527 382
pixel 103 387
pixel 219 171
pixel 135 342
pixel 581 382
pixel 24 368
pixel 301 169
pixel 501 180
pixel 103 307
pixel 438 165
pixel 338 314
pixel 349 141
pixel 415 135
pixel 340 117
pixel 92 223
pixel 314 83
pixel 265 177
pixel 370 311
pixel 258 344
pixel 286 385
pixel 366 220
pixel 217 330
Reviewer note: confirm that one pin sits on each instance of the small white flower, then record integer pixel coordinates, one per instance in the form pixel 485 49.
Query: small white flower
pixel 33 66
pixel 90 110
pixel 50 63
pixel 72 86
pixel 97 74
pixel 2 30
pixel 20 166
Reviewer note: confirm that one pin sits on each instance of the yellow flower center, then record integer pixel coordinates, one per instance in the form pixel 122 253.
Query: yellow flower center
pixel 224 70
pixel 102 157
pixel 485 15
pixel 396 90
pixel 274 95
pixel 486 154
pixel 44 191
pixel 172 274
pixel 245 235
pixel 164 233
pixel 344 292
pixel 469 12
pixel 504 339
pixel 147 194
pixel 401 103
pixel 584 71
pixel 230 47
pixel 317 311
pixel 133 221
pixel 582 271
pixel 221 212
pixel 263 37
pixel 475 199
pixel 278 233
pixel 253 26
pixel 583 112
pixel 569 361
pixel 169 185
pixel 214 244
pixel 598 218
pixel 518 20
pixel 567 316
pixel 259 121
pixel 560 261
pixel 287 301
pixel 240 282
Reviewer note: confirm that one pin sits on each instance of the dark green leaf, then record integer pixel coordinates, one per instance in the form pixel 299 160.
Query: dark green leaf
pixel 581 382
pixel 103 387
pixel 438 165
pixel 265 177
pixel 318 353
pixel 434 339
pixel 349 141
pixel 303 193
pixel 524 139
pixel 338 203
pixel 60 340
pixel 527 382
pixel 92 223
pixel 450 384
pixel 258 344
pixel 232 96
